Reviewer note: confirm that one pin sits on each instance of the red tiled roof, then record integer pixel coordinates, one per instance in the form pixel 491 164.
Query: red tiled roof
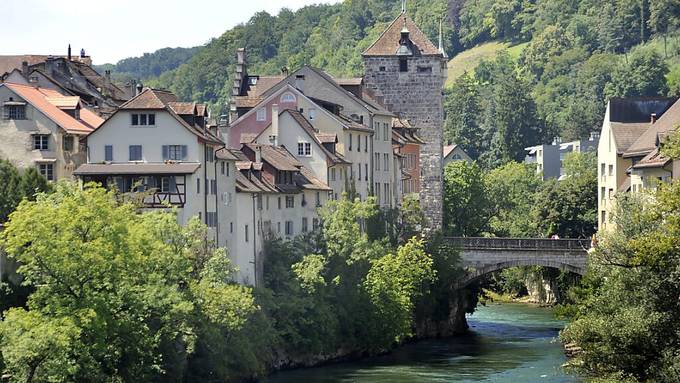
pixel 183 107
pixel 39 98
pixel 388 43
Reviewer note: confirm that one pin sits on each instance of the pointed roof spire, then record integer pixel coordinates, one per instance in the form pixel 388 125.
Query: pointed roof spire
pixel 403 6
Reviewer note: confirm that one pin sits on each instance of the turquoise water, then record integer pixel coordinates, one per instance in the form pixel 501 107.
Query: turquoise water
pixel 506 343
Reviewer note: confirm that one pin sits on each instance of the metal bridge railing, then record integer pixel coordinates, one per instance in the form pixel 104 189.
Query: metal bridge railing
pixel 481 243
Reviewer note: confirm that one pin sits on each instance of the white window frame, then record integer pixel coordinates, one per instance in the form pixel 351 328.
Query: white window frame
pixel 288 97
pixel 41 142
pixel 304 149
pixel 261 114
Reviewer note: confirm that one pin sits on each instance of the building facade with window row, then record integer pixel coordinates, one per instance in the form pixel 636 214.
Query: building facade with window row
pixel 41 128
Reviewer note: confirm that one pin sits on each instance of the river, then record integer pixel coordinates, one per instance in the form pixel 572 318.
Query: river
pixel 507 343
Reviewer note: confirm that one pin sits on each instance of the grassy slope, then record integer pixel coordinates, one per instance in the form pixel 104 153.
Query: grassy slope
pixel 468 60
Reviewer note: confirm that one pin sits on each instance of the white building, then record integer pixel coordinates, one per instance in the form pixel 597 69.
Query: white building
pixel 154 143
pixel 44 129
pixel 549 158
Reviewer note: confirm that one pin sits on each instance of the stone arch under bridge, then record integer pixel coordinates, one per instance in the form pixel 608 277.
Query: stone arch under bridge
pixel 481 256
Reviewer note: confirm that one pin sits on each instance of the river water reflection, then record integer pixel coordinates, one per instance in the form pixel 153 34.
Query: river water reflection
pixel 507 343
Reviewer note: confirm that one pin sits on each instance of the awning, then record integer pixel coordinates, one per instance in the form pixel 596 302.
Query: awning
pixel 136 169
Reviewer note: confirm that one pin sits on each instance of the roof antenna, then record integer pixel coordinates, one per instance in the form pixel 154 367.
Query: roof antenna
pixel 403 6
pixel 441 38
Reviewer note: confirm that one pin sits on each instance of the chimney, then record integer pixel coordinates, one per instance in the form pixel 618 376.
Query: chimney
pixel 139 89
pixel 82 53
pixel 300 82
pixel 24 68
pixel 258 154
pixel 275 124
pixel 653 118
pixel 69 52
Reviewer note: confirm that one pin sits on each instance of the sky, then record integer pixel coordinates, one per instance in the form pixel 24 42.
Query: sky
pixel 112 30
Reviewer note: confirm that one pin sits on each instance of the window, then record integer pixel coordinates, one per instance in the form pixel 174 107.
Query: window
pixel 366 144
pixel 135 152
pixel 377 161
pixel 386 160
pixel 386 193
pixel 15 112
pixel 366 172
pixel 359 167
pixel 350 142
pixel 611 193
pixel 602 170
pixel 611 170
pixel 403 65
pixel 290 202
pixel 246 230
pixel 47 171
pixel 288 97
pixel 312 113
pixel 278 227
pixel 332 174
pixel 213 187
pixel 228 168
pixel 231 227
pixel 602 193
pixel 603 216
pixel 289 228
pixel 304 225
pixel 424 69
pixel 168 185
pixel 198 186
pixel 174 152
pixel 143 119
pixel 279 203
pixel 108 153
pixel 222 167
pixel 386 130
pixel 209 155
pixel 382 68
pixel 41 142
pixel 318 199
pixel 315 223
pixel 211 218
pixel 358 143
pixel 304 149
pixel 67 143
pixel 261 114
pixel 377 192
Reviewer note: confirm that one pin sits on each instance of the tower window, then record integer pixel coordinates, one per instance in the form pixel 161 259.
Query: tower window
pixel 382 68
pixel 424 69
pixel 403 65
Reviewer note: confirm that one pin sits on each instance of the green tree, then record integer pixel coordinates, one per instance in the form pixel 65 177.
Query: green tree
pixel 32 182
pixel 644 74
pixel 463 105
pixel 466 206
pixel 10 189
pixel 569 207
pixel 123 279
pixel 511 190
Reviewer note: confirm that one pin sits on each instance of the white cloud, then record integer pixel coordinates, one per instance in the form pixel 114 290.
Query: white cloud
pixel 113 30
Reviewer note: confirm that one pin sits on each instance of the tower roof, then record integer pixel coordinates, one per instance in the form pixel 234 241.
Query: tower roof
pixel 388 43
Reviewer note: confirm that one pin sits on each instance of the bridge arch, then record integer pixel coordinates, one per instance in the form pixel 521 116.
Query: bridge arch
pixel 481 256
pixel 476 274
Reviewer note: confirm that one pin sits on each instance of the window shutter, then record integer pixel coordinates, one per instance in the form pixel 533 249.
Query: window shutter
pixel 185 151
pixel 165 152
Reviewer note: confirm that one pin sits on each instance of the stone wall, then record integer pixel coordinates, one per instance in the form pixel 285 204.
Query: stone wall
pixel 417 96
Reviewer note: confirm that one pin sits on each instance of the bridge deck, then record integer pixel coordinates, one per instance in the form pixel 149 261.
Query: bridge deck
pixel 525 244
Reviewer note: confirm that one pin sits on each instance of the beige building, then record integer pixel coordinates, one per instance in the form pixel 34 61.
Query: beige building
pixel 626 120
pixel 455 153
pixel 41 128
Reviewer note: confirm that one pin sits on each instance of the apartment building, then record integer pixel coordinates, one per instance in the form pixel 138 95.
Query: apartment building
pixel 44 129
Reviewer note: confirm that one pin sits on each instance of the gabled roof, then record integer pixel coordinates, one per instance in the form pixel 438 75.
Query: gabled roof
pixel 183 107
pixel 65 102
pixel 448 149
pixel 388 42
pixel 39 98
pixel 626 133
pixel 276 156
pixel 648 141
pixel 312 133
pixel 652 160
pixel 156 99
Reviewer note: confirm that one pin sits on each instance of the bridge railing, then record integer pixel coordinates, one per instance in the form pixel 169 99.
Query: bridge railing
pixel 483 243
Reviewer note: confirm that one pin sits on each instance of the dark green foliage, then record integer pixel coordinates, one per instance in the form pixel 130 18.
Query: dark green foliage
pixel 568 207
pixel 466 204
pixel 11 191
pixel 462 124
pixel 149 64
pixel 643 74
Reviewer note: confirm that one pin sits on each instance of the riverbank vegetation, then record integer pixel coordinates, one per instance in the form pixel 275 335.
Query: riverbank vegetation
pixel 121 295
pixel 625 315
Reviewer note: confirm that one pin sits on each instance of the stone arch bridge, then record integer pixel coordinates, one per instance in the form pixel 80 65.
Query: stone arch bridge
pixel 481 256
